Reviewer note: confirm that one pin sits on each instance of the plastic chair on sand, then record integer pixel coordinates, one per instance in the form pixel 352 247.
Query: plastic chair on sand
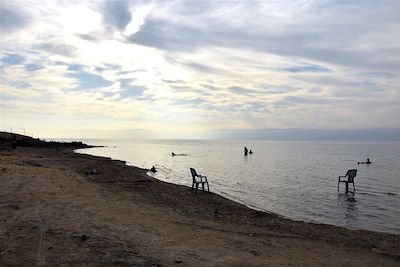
pixel 198 179
pixel 350 179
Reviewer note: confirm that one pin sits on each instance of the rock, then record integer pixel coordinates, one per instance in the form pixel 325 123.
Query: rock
pixel 83 238
pixel 92 172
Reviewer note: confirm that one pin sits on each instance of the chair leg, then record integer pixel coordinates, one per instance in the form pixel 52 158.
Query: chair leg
pixel 208 187
pixel 192 186
pixel 347 187
pixel 354 187
pixel 202 185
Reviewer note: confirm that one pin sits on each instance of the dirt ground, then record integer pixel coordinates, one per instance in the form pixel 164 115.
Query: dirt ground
pixel 53 214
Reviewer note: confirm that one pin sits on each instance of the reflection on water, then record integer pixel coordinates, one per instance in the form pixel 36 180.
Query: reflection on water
pixel 348 203
pixel 295 179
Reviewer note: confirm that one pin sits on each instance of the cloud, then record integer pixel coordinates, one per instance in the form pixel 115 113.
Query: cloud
pixel 189 102
pixel 279 90
pixel 201 64
pixel 116 14
pixel 327 31
pixel 33 67
pixel 241 91
pixel 57 48
pixel 201 67
pixel 12 17
pixel 90 37
pixel 309 68
pixel 307 100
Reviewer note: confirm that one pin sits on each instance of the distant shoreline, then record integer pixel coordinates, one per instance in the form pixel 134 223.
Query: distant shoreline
pixel 8 139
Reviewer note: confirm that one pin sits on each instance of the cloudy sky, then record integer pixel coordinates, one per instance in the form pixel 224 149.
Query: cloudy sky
pixel 186 69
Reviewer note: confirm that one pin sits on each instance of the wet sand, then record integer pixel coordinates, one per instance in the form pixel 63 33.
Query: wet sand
pixel 53 214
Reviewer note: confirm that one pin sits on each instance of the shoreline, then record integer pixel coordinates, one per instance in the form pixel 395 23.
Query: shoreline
pixel 148 222
pixel 249 205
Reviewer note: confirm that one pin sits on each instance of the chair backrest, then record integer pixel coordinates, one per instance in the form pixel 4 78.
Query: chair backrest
pixel 193 171
pixel 351 174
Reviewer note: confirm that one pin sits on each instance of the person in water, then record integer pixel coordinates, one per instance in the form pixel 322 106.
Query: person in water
pixel 153 169
pixel 250 152
pixel 365 162
pixel 179 154
pixel 245 151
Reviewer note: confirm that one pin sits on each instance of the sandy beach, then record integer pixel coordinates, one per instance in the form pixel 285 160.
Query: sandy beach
pixel 53 214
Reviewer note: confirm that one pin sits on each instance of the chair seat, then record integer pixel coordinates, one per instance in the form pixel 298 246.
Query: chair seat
pixel 201 179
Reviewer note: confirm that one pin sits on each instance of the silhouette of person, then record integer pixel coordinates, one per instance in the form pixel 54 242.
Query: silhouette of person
pixel 245 151
pixel 368 162
pixel 173 154
pixel 250 152
pixel 153 169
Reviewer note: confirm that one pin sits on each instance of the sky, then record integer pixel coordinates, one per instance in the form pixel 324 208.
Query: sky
pixel 192 69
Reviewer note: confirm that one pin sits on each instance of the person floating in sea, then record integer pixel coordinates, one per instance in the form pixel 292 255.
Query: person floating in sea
pixel 250 152
pixel 153 169
pixel 175 154
pixel 365 162
pixel 245 151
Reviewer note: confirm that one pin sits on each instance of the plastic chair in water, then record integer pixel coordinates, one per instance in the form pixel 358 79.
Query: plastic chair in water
pixel 198 179
pixel 350 179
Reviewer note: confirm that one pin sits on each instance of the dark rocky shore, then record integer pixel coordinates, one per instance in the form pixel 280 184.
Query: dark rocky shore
pixel 13 139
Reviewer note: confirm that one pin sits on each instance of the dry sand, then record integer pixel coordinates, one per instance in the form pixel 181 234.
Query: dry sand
pixel 53 214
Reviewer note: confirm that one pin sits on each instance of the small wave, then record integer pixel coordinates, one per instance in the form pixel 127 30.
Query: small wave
pixel 239 191
pixel 165 168
pixel 370 215
pixel 377 193
pixel 367 193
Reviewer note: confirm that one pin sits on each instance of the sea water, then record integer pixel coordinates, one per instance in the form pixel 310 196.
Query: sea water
pixel 295 179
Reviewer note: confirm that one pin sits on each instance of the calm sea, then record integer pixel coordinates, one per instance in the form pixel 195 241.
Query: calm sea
pixel 296 179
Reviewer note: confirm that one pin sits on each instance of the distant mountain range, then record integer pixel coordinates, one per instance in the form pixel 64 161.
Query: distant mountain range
pixel 376 134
